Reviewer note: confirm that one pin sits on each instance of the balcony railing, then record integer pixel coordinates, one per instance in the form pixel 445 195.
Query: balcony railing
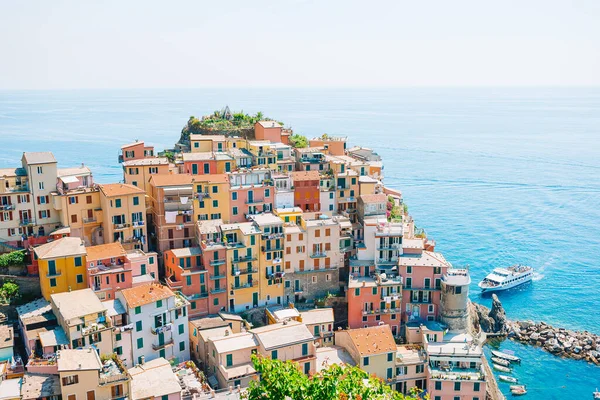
pixel 244 285
pixel 298 289
pixel 18 188
pixel 218 290
pixel 7 207
pixel 383 311
pixel 217 276
pixel 139 223
pixel 166 343
pixel 255 201
pixel 53 274
pixel 244 259
pixel 89 220
pixel 320 254
pixel 237 272
pixel 25 222
pixel 219 261
pixel 121 226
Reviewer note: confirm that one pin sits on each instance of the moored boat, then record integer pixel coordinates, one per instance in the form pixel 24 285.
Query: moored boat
pixel 501 361
pixel 506 356
pixel 506 378
pixel 518 391
pixel 502 368
pixel 596 394
pixel 506 278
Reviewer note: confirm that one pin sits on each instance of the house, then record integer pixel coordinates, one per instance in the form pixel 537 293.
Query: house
pixel 205 143
pixel 288 341
pixel 411 364
pixel 270 257
pixel 40 386
pixel 108 270
pixel 184 271
pixel 154 380
pixel 41 169
pixel 83 376
pixel 252 192
pixel 138 172
pixel 306 190
pixel 335 145
pixel 160 322
pixel 229 359
pixel 268 130
pixel 135 151
pixel 201 330
pixel 34 318
pixel 7 342
pixel 61 265
pixel 16 207
pixel 84 320
pixel 211 197
pixel 122 330
pixel 372 205
pixel 320 322
pixel 373 349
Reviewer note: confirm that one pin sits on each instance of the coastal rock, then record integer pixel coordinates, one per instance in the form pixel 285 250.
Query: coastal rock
pixel 498 314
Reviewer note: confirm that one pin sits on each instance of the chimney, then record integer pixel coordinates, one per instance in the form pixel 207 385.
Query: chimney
pixel 142 360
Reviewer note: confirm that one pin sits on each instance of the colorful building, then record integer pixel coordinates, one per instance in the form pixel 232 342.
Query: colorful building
pixel 135 151
pixel 185 272
pixel 214 259
pixel 205 143
pixel 268 130
pixel 306 190
pixel 252 192
pixel 138 172
pixel 270 257
pixel 212 198
pixel 61 265
pixel 335 145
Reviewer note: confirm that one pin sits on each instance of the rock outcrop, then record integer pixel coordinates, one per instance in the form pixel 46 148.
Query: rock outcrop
pixel 559 341
pixel 490 320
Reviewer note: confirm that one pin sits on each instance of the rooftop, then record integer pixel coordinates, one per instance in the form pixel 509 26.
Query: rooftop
pixel 77 304
pixel 38 386
pixel 209 226
pixel 373 198
pixel 82 170
pixel 147 161
pixel 281 313
pixel 39 157
pixel 54 337
pixel 212 178
pixel 78 360
pixel 282 334
pixel 216 332
pixel 63 247
pixel 409 355
pixel 327 356
pixel 104 251
pixel 460 344
pixel 367 281
pixel 161 180
pixel 146 294
pixel 299 176
pixel 153 379
pixel 266 219
pixel 269 124
pixel 426 259
pixel 209 322
pixel 12 172
pixel 457 277
pixel 7 337
pixel 133 144
pixel 317 316
pixel 234 342
pixel 120 189
pixel 34 309
pixel 186 252
pixel 200 156
pixel 114 307
pixel 373 340
pixel 217 138
pixel 10 389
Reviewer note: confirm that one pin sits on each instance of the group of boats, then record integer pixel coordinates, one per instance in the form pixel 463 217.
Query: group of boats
pixel 502 361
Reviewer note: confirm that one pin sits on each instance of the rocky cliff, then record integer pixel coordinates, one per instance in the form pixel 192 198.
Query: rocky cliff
pixel 490 320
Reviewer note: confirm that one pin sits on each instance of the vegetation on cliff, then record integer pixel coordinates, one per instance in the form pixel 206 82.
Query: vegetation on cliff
pixel 298 141
pixel 281 380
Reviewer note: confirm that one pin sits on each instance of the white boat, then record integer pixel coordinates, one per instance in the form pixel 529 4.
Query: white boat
pixel 506 278
pixel 517 387
pixel 506 356
pixel 506 378
pixel 501 361
pixel 518 392
pixel 502 368
pixel 596 394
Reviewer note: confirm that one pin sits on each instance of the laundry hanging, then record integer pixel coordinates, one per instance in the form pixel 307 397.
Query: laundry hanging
pixel 170 217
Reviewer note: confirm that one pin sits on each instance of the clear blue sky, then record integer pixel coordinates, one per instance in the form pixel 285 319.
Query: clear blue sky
pixel 151 44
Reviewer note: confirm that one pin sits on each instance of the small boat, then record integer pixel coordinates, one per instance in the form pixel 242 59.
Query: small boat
pixel 517 387
pixel 506 278
pixel 506 356
pixel 506 378
pixel 518 392
pixel 596 394
pixel 501 361
pixel 502 368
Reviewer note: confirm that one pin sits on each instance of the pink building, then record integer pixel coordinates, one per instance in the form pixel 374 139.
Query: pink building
pixel 203 163
pixel 251 192
pixel 135 151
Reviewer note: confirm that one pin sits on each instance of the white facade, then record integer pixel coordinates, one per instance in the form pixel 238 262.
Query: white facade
pixel 170 340
pixel 327 201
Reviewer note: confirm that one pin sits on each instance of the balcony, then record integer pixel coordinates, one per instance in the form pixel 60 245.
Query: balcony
pixel 238 272
pixel 121 226
pixel 255 201
pixel 160 329
pixel 217 276
pixel 202 196
pixel 457 374
pixel 138 223
pixel 18 188
pixel 219 261
pixel 320 254
pixel 95 327
pixel 386 261
pixel 383 311
pixel 244 285
pixel 159 346
pixel 89 220
pixel 298 289
pixel 218 290
pixel 197 296
pixel 25 222
pixel 273 248
pixel 394 296
pixel 7 207
pixel 243 259
pixel 53 274
pixel 272 236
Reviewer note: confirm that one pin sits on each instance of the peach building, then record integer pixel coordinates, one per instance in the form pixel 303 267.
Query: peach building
pixel 200 163
pixel 334 145
pixel 411 364
pixel 268 130
pixel 184 271
pixel 251 192
pixel 306 190
pixel 138 172
pixel 135 151
pixel 123 213
pixel 375 301
pixel 214 259
pixel 229 359
pixel 171 208
pixel 311 159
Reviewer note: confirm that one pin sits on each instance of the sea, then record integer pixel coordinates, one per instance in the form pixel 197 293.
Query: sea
pixel 497 176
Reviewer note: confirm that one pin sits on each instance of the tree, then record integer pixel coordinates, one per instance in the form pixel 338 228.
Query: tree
pixel 12 258
pixel 281 380
pixel 9 291
pixel 298 141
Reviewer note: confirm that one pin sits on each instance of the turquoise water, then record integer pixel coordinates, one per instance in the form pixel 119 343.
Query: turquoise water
pixel 496 176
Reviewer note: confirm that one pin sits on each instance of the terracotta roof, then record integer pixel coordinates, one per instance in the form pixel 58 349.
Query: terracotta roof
pixel 146 294
pixel 104 251
pixel 63 247
pixel 373 340
pixel 374 198
pixel 305 176
pixel 269 124
pixel 119 189
pixel 171 180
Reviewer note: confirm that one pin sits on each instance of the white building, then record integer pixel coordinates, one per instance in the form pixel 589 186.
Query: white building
pixel 284 194
pixel 159 322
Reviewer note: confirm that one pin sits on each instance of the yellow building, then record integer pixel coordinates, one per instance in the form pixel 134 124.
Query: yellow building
pixel 124 214
pixel 138 172
pixel 242 243
pixel 290 214
pixel 61 266
pixel 264 154
pixel 225 163
pixel 270 258
pixel 201 143
pixel 211 197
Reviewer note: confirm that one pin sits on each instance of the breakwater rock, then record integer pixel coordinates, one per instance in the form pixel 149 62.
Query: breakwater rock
pixel 490 320
pixel 559 341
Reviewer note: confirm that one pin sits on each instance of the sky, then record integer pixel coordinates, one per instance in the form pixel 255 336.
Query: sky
pixel 298 43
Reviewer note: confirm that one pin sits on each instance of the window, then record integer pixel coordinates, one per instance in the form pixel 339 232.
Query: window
pixel 181 328
pixel 136 201
pixel 438 385
pixel 409 269
pixel 40 170
pixel 138 309
pixel 216 302
pixel 458 290
pixel 215 203
pixel 304 349
pixel 420 368
pixel 181 346
pixel 215 189
pixel 158 303
pixel 274 355
pixel 229 361
pixel 41 185
pixel 476 386
pixel 78 262
pixel 457 386
pixel 306 368
pixel 52 282
pixel 138 326
pixel 267 193
pixel 375 290
pixel 234 196
pixel 390 357
pixel 390 373
pixel 118 337
pixel 357 291
pixel 118 203
pixel 70 380
pixel 140 343
pixel 79 278
pixel 235 210
pixel 365 361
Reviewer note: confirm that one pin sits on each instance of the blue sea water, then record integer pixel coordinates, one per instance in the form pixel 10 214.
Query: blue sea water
pixel 496 176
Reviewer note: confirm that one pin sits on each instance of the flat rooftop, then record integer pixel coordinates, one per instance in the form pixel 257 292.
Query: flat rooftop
pixel 77 304
pixel 153 379
pixel 78 360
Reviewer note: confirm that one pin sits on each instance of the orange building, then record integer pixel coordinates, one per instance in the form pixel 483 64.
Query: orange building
pixel 268 130
pixel 185 272
pixel 135 151
pixel 306 190
pixel 336 146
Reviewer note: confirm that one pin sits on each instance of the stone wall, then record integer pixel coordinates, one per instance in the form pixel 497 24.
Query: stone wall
pixel 313 284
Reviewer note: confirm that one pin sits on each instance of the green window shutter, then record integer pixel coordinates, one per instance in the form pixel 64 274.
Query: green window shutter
pixel 357 291
pixel 181 346
pixel 79 278
pixel 304 349
pixel 118 337
pixel 181 327
pixel 188 280
pixel 274 354
pixel 229 360
pixel 159 304
pixel 138 309
pixel 138 326
pixel 140 343
pixel 78 261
